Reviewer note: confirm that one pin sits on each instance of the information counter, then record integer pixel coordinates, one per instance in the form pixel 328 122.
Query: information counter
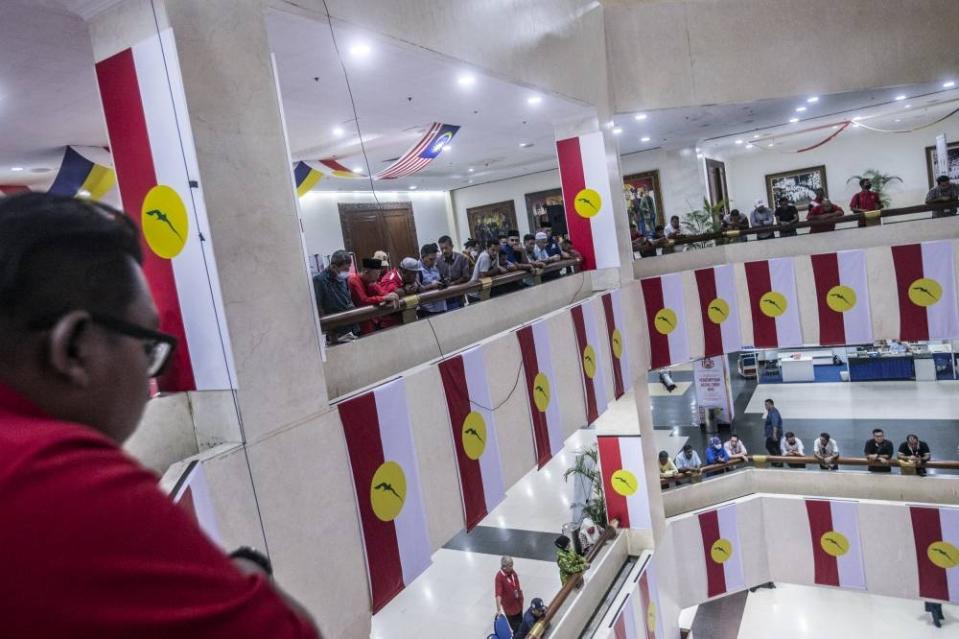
pixel 882 367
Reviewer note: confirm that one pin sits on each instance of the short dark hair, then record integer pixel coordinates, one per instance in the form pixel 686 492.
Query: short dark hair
pixel 734 212
pixel 470 243
pixel 771 402
pixel 513 233
pixel 673 217
pixel 863 181
pixel 59 254
pixel 528 237
pixel 878 430
pixel 790 434
pixel 784 199
pixel 663 453
pixel 912 436
pixel 491 242
pixel 444 239
pixel 429 249
pixel 340 258
pixel 826 435
pixel 687 447
pixel 942 178
pixel 502 236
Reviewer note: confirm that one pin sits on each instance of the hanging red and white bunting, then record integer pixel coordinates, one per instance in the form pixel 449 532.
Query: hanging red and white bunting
pixel 926 285
pixel 722 551
pixel 624 480
pixel 936 533
pixel 535 349
pixel 666 320
pixel 587 340
pixel 616 330
pixel 772 302
pixel 836 548
pixel 842 294
pixel 719 306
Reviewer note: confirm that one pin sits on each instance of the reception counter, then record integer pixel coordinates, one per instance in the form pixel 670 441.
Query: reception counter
pixel 885 367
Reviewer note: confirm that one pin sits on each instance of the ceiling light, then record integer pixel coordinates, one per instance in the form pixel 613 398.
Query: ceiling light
pixel 835 126
pixel 610 124
pixel 360 50
pixel 525 145
pixel 857 118
pixel 948 85
pixel 750 146
pixel 900 98
pixel 357 169
pixel 412 187
pixel 534 99
pixel 800 109
pixel 898 120
pixel 617 131
pixel 813 99
pixel 640 116
pixel 756 137
pixel 771 145
pixel 466 80
pixel 793 120
pixel 447 147
pixel 338 131
pixel 908 106
pixel 645 138
pixel 698 149
pixel 471 169
pixel 699 156
pixel 16 168
pixel 739 141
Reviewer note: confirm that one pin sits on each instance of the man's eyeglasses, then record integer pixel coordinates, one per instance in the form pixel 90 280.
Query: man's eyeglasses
pixel 157 346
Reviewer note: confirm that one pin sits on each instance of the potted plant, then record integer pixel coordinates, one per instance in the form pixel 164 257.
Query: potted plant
pixel 704 221
pixel 586 471
pixel 879 182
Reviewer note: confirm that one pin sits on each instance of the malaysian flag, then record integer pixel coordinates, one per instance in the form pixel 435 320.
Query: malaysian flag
pixel 420 154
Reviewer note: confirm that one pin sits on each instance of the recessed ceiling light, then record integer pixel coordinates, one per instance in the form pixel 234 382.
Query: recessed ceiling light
pixel 640 116
pixel 793 120
pixel 466 80
pixel 471 169
pixel 750 146
pixel 338 131
pixel 908 106
pixel 813 99
pixel 610 124
pixel 898 120
pixel 699 156
pixel 525 145
pixel 900 98
pixel 412 187
pixel 617 131
pixel 360 50
pixel 357 169
pixel 835 126
pixel 771 145
pixel 756 137
pixel 534 99
pixel 739 141
pixel 698 149
pixel 800 109
pixel 16 168
pixel 948 85
pixel 645 138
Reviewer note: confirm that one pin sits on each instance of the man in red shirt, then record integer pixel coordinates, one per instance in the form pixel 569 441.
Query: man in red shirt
pixel 824 211
pixel 90 546
pixel 365 291
pixel 509 594
pixel 865 200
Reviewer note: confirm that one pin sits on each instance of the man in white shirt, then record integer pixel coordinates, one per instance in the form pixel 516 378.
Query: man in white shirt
pixel 792 447
pixel 826 451
pixel 735 448
pixel 687 461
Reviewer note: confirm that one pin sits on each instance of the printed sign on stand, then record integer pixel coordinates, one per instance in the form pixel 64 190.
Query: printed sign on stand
pixel 713 390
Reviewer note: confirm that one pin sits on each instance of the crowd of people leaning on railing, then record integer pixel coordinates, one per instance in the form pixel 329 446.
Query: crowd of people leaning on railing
pixel 785 217
pixel 878 452
pixel 373 281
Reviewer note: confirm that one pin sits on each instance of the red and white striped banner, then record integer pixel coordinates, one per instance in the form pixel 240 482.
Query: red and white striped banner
pixel 192 492
pixel 468 399
pixel 836 547
pixel 616 330
pixel 719 306
pixel 587 199
pixel 624 480
pixel 386 479
pixel 772 301
pixel 722 551
pixel 587 339
pixel 936 533
pixel 155 161
pixel 842 293
pixel 628 622
pixel 666 320
pixel 649 597
pixel 926 284
pixel 534 347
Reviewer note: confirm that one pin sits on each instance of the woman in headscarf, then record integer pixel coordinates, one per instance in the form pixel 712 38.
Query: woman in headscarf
pixel 569 562
pixel 715 453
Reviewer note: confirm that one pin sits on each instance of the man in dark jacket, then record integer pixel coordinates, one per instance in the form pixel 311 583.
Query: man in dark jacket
pixel 333 294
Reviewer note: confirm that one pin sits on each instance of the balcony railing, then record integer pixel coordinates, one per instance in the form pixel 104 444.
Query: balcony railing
pixel 406 311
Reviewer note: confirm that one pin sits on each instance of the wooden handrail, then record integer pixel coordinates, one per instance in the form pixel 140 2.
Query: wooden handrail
pixel 572 583
pixel 867 216
pixel 411 302
pixel 697 475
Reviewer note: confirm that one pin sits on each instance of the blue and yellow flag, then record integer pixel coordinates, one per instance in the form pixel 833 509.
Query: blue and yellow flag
pixel 306 177
pixel 80 177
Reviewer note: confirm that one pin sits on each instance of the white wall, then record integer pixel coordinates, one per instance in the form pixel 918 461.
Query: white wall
pixel 321 216
pixel 852 152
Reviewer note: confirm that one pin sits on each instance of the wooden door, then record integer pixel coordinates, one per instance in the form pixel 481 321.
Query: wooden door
pixel 368 228
pixel 718 192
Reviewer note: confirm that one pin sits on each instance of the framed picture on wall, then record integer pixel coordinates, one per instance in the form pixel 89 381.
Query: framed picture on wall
pixel 799 186
pixel 644 200
pixel 489 221
pixel 536 204
pixel 952 151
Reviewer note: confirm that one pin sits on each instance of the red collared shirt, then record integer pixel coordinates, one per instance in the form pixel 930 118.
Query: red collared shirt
pixel 91 548
pixel 510 593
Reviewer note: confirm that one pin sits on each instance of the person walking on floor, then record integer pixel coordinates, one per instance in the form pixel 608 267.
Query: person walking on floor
pixel 935 609
pixel 773 429
pixel 509 593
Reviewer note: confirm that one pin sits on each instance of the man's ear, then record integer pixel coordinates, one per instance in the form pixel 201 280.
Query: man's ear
pixel 69 348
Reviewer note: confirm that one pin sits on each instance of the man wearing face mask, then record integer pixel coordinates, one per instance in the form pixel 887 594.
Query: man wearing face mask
pixel 333 294
pixel 865 200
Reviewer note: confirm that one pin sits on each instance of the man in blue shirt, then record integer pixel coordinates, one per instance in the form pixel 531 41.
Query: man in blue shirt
pixel 430 279
pixel 536 611
pixel 715 453
pixel 773 429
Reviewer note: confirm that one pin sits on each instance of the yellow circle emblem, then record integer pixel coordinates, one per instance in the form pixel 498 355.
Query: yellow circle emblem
pixel 388 491
pixel 541 392
pixel 834 543
pixel 773 304
pixel 588 203
pixel 841 298
pixel 624 482
pixel 164 221
pixel 665 321
pixel 474 435
pixel 617 340
pixel 721 551
pixel 925 292
pixel 718 311
pixel 589 361
pixel 651 617
pixel 943 554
